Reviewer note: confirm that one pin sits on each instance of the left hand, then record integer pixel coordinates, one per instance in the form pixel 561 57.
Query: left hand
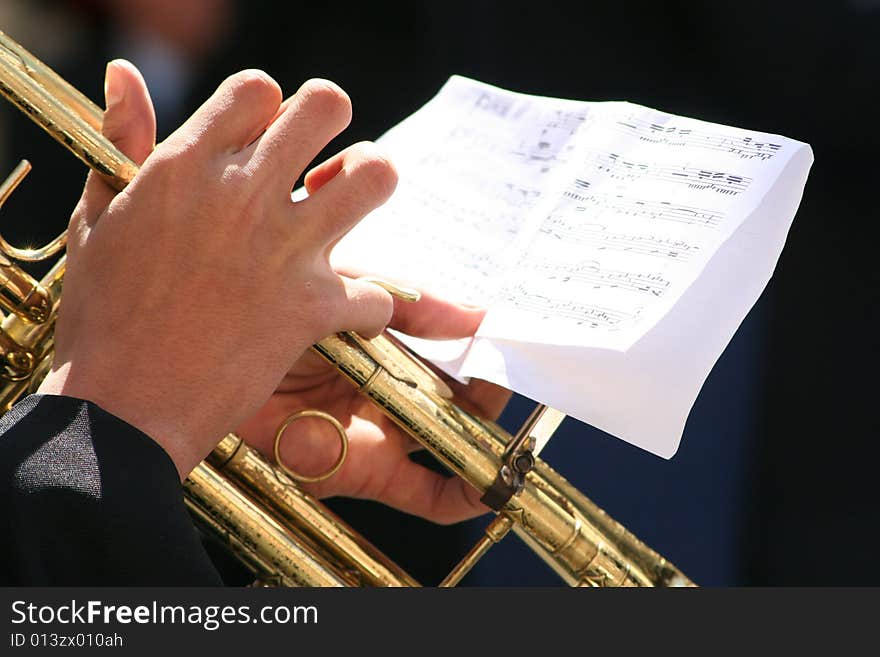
pixel 378 465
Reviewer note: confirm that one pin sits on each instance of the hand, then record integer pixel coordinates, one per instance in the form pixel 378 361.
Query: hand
pixel 189 295
pixel 378 465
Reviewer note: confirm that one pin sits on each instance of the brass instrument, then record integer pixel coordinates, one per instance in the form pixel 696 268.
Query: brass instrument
pixel 284 535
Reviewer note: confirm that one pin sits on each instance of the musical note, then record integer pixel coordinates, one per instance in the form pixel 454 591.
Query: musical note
pixel 592 274
pixel 616 241
pixel 610 208
pixel 598 236
pixel 744 146
pixel 582 314
pixel 636 207
pixel 620 167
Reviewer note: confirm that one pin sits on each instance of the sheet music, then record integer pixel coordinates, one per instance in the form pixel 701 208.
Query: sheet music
pixel 588 231
pixel 647 201
pixel 471 165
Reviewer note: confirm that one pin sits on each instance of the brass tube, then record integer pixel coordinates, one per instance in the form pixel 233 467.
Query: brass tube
pixel 69 117
pixel 566 529
pixel 21 294
pixel 497 529
pixel 272 552
pixel 305 515
pixel 35 339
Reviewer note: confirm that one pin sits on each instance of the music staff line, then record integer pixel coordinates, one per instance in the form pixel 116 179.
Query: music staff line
pixel 621 168
pixel 583 314
pixel 592 274
pixel 599 237
pixel 745 147
pixel 662 210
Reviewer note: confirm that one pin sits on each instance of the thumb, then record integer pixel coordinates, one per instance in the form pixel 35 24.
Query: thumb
pixel 431 317
pixel 129 120
pixel 129 123
pixel 367 308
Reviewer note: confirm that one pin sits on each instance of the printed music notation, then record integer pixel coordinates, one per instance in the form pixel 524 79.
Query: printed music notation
pixel 743 146
pixel 612 206
pixel 601 238
pixel 636 207
pixel 623 168
pixel 592 274
pixel 582 314
pixel 615 247
pixel 553 141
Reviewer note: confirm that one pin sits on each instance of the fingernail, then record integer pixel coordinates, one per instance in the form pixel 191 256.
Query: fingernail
pixel 114 88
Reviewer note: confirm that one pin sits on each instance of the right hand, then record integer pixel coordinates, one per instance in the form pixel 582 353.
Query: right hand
pixel 189 295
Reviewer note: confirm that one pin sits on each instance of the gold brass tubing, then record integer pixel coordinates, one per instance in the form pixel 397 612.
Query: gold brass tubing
pixel 367 385
pixel 497 529
pixel 30 85
pixel 21 294
pixel 260 540
pixel 546 517
pixel 16 362
pixel 329 472
pixel 69 95
pixel 27 255
pixel 37 339
pixel 585 511
pixel 630 547
pixel 260 567
pixel 304 514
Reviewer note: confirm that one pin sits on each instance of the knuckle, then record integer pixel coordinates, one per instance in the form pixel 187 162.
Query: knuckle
pixel 182 154
pixel 326 99
pixel 235 177
pixel 166 157
pixel 374 169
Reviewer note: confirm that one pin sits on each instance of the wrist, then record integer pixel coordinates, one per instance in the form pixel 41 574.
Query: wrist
pixel 142 413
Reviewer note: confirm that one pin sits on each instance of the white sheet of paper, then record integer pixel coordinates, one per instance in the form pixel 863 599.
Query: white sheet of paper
pixel 617 248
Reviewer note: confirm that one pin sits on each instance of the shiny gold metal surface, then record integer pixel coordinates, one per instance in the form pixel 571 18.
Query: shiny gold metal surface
pixel 69 117
pixel 263 544
pixel 285 536
pixel 576 538
pixel 329 472
pixel 497 529
pixel 26 255
pixel 305 516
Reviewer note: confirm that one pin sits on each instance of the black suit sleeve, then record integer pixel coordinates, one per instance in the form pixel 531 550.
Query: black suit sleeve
pixel 87 499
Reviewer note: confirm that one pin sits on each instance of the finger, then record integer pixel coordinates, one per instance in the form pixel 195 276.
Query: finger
pixel 129 122
pixel 314 115
pixel 363 180
pixel 365 308
pixel 478 397
pixel 432 316
pixel 435 318
pixel 317 177
pixel 433 496
pixel 235 115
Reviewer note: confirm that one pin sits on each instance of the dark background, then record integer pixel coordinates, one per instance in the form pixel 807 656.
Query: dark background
pixel 774 482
